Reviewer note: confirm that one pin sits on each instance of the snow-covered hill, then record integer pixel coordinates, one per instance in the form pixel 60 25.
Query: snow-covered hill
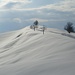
pixel 29 52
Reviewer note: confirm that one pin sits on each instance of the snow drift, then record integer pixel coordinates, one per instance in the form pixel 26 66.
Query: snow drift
pixel 29 52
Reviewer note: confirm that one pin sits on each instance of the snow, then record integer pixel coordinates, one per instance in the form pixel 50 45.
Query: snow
pixel 29 52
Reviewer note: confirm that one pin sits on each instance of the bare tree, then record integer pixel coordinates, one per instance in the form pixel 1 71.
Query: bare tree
pixel 69 27
pixel 43 28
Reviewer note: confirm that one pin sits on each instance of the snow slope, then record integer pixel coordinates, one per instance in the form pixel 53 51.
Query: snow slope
pixel 29 52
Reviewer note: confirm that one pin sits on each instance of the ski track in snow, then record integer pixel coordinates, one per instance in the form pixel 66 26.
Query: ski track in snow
pixel 29 52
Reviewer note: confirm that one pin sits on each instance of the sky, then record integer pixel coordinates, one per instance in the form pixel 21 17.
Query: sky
pixel 17 14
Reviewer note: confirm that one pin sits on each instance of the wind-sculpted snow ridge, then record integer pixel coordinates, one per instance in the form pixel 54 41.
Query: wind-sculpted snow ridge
pixel 29 52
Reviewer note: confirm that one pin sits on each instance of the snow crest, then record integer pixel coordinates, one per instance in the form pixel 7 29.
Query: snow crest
pixel 29 52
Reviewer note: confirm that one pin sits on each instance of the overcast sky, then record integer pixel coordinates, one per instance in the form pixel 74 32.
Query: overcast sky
pixel 16 14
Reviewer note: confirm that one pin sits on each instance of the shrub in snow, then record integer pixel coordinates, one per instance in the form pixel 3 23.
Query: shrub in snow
pixel 31 27
pixel 35 25
pixel 69 27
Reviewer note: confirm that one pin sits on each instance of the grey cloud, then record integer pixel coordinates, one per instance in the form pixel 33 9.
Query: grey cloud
pixel 55 18
pixel 11 4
